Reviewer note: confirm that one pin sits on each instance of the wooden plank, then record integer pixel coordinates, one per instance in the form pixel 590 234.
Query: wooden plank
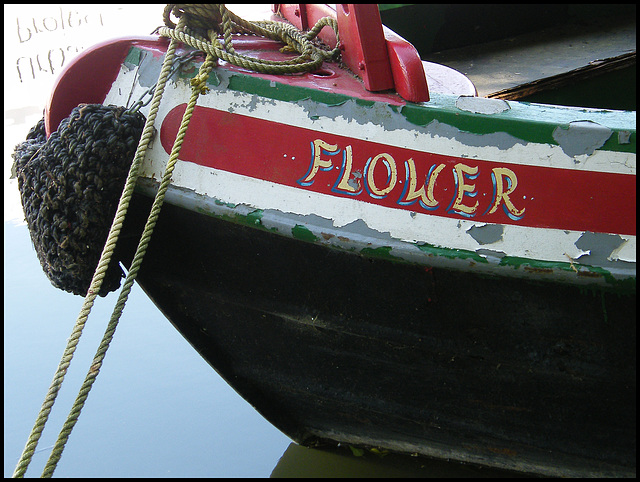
pixel 594 69
pixel 509 63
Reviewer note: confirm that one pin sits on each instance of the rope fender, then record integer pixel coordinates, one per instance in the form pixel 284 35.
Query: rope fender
pixel 69 187
pixel 69 184
pixel 33 157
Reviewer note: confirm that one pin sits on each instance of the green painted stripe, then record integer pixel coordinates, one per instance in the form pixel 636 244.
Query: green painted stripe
pixel 527 122
pixel 392 6
pixel 283 92
pixel 303 233
pixel 300 232
pixel 383 252
pixel 524 121
pixel 451 253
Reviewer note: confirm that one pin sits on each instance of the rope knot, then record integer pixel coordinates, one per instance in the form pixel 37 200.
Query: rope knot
pixel 199 82
pixel 198 16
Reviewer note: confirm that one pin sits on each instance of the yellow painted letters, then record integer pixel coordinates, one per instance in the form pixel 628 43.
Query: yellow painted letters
pixel 500 194
pixel 460 171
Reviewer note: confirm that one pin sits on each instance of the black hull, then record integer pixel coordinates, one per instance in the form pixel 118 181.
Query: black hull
pixel 333 346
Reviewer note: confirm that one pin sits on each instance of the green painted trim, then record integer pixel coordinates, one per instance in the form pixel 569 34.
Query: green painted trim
pixel 300 232
pixel 383 252
pixel 625 285
pixel 133 56
pixel 303 233
pixel 222 203
pixel 391 6
pixel 283 92
pixel 254 218
pixel 525 121
pixel 451 253
pixel 518 262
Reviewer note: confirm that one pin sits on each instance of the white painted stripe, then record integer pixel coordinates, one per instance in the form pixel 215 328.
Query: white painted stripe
pixel 527 242
pixel 404 135
pixel 519 241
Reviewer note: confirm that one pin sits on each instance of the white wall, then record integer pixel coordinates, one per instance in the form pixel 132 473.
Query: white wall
pixel 39 40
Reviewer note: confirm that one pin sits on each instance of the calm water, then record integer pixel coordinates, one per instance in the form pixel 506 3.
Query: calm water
pixel 157 408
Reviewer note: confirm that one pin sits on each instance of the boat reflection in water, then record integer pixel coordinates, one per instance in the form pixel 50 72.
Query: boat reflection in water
pixel 343 461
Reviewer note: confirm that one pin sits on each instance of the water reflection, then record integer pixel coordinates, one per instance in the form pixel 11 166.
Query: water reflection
pixel 298 461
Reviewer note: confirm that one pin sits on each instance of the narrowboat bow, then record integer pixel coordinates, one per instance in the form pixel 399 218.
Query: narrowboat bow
pixel 371 254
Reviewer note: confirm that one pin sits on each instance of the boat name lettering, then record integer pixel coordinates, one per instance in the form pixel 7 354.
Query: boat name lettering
pixel 381 176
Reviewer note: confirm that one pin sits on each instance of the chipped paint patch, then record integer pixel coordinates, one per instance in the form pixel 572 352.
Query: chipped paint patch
pixel 381 252
pixel 581 137
pixel 361 221
pixel 443 131
pixel 255 217
pixel 303 233
pixel 599 246
pixel 358 237
pixel 624 137
pixel 625 252
pixel 451 253
pixel 481 105
pixel 486 233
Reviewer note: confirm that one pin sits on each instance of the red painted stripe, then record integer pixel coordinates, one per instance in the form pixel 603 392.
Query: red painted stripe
pixel 380 174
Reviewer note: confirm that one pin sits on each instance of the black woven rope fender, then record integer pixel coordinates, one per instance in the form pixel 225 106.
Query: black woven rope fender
pixel 70 185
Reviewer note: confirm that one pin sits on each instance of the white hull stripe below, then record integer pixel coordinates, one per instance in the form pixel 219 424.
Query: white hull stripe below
pixel 488 240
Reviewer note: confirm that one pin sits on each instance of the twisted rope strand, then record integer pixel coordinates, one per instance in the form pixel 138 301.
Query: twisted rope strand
pixel 310 58
pixel 198 83
pixel 212 18
pixel 94 288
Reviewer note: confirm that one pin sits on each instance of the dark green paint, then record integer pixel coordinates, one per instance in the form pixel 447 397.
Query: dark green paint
pixel 303 234
pixel 381 252
pixel 451 253
pixel 524 121
pixel 254 218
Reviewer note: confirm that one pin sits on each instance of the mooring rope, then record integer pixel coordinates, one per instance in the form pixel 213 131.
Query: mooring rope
pixel 192 19
pixel 94 288
pixel 198 84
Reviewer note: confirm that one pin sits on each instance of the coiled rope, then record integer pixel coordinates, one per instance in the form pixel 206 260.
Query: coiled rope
pixel 220 19
pixel 199 18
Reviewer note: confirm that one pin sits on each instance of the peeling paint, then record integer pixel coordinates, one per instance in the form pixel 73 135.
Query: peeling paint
pixel 381 252
pixel 451 253
pixel 625 252
pixel 148 73
pixel 481 105
pixel 600 246
pixel 447 108
pixel 498 140
pixel 490 255
pixel 624 137
pixel 255 217
pixel 359 239
pixel 303 233
pixel 360 227
pixel 446 128
pixel 581 137
pixel 486 233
